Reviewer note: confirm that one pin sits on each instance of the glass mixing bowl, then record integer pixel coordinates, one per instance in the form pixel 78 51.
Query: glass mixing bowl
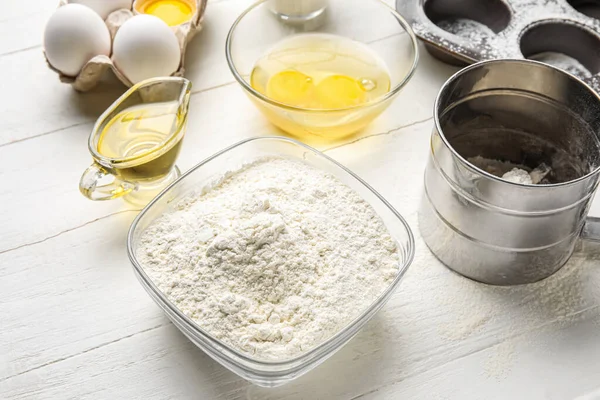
pixel 370 22
pixel 260 372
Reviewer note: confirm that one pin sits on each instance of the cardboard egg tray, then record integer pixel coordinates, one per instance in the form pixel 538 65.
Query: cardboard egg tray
pixel 517 29
pixel 92 71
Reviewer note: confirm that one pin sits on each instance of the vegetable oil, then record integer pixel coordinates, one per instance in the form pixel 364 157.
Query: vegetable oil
pixel 144 139
pixel 321 72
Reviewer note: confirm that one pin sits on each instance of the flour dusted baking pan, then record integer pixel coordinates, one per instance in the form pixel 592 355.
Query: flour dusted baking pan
pixel 564 33
pixel 272 371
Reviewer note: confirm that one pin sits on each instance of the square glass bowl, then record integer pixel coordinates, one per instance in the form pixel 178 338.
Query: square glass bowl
pixel 261 372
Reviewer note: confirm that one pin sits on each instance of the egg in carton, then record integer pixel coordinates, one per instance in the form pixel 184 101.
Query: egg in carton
pixel 132 56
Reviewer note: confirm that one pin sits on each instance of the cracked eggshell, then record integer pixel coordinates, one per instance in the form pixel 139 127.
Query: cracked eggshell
pixel 73 36
pixel 105 7
pixel 145 47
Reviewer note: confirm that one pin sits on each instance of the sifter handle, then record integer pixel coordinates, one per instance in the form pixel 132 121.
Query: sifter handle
pixel 591 229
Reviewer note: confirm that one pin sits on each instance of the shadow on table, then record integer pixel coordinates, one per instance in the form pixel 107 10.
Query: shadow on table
pixel 93 103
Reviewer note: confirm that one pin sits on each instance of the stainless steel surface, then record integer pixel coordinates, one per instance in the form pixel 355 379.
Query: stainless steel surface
pixel 528 113
pixel 518 29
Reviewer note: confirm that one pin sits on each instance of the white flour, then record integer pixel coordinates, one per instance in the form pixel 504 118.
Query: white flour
pixel 466 28
pixel 512 172
pixel 564 62
pixel 518 175
pixel 503 317
pixel 273 259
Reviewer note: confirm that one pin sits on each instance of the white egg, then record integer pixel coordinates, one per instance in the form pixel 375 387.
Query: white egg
pixel 104 7
pixel 145 47
pixel 73 36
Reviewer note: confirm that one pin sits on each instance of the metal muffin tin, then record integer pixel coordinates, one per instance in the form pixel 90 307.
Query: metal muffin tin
pixel 517 29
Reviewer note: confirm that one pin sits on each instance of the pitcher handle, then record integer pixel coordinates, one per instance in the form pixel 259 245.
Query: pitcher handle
pixel 591 229
pixel 92 186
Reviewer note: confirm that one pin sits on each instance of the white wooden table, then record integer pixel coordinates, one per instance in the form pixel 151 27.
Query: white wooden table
pixel 75 323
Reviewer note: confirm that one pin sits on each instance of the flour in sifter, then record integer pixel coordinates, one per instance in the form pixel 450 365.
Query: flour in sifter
pixel 273 259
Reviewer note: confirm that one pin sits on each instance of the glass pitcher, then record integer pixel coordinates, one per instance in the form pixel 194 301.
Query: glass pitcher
pixel 136 141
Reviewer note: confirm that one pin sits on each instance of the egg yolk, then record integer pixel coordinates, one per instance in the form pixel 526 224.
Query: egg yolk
pixel 339 91
pixel 298 89
pixel 291 87
pixel 173 12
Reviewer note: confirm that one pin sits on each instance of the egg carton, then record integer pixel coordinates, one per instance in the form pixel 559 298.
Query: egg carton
pixel 92 71
pixel 512 29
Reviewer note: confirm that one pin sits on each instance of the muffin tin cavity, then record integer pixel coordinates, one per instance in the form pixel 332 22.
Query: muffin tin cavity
pixel 492 14
pixel 591 8
pixel 564 45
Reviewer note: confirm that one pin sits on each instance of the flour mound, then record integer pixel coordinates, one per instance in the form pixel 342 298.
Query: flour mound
pixel 273 259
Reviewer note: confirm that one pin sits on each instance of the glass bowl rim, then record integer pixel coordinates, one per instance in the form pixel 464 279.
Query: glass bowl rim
pixel 378 100
pixel 315 353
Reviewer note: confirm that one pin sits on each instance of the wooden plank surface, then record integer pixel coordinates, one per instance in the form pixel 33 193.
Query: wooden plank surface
pixel 76 323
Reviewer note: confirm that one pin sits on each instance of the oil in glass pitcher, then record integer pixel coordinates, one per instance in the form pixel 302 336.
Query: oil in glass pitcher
pixel 135 143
